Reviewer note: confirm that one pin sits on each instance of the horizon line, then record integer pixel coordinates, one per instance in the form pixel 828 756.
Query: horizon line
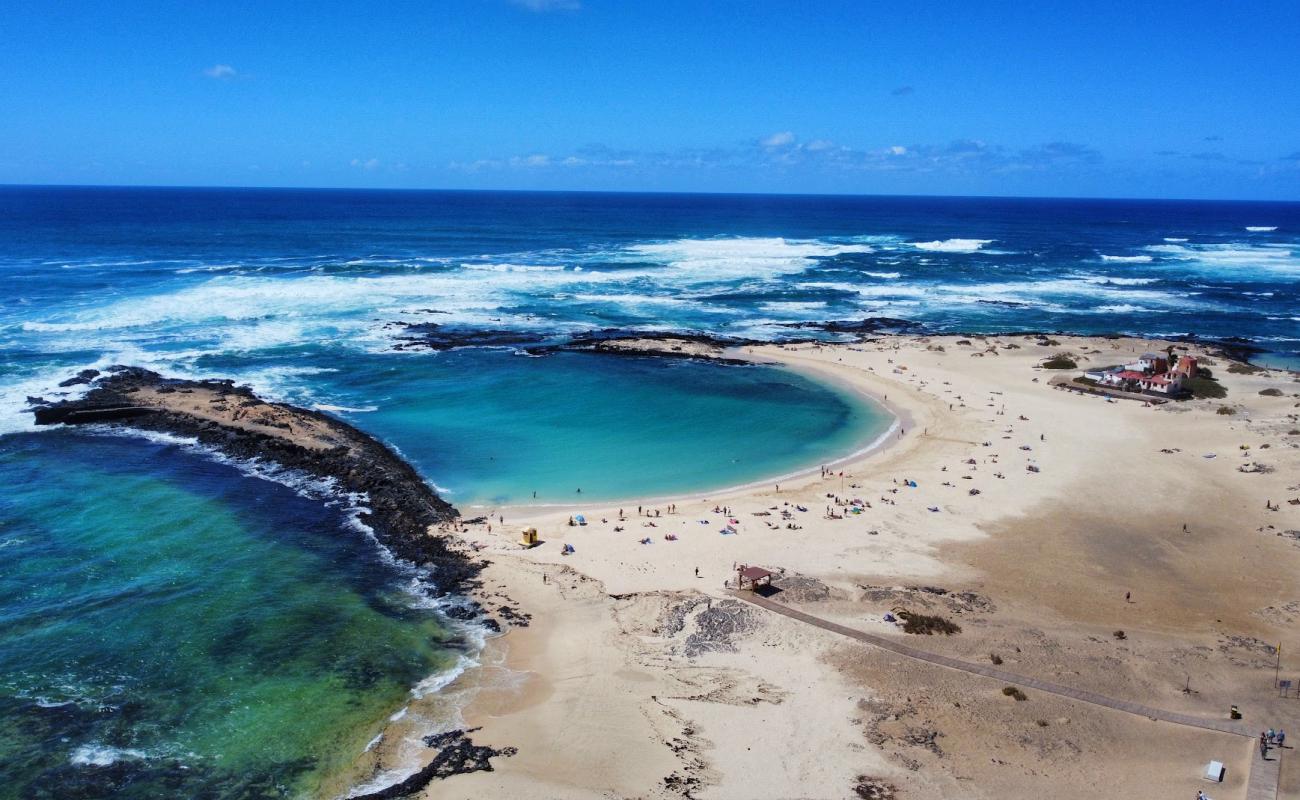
pixel 434 190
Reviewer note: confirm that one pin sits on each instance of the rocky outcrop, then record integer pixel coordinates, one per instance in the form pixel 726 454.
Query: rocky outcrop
pixel 457 755
pixel 405 514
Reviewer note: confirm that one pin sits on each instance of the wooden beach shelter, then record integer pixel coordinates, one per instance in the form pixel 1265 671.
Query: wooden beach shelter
pixel 756 576
pixel 528 536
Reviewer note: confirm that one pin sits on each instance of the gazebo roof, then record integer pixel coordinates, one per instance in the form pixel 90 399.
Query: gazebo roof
pixel 755 573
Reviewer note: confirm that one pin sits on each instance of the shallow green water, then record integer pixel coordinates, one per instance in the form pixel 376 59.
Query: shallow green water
pixel 172 628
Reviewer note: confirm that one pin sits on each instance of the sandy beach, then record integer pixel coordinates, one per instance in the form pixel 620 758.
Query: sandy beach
pixel 640 678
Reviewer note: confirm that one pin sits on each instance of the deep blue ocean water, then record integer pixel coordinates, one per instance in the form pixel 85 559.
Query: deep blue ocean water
pixel 302 294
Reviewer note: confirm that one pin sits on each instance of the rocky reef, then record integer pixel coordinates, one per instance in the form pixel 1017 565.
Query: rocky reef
pixel 404 512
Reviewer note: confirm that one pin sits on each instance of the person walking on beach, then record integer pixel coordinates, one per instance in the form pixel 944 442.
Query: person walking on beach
pixel 1127 595
pixel 697 572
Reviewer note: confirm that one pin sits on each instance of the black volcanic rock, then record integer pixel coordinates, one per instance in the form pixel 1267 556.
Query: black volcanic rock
pixel 85 376
pixel 868 325
pixel 404 512
pixel 433 336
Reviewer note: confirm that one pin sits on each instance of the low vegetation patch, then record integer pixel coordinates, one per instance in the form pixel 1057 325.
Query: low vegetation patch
pixel 1271 392
pixel 869 788
pixel 1120 635
pixel 1242 368
pixel 927 624
pixel 995 658
pixel 1059 361
pixel 1204 387
pixel 1085 381
pixel 1013 691
pixel 1226 411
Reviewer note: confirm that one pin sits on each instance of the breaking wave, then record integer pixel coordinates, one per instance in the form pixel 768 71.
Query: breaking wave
pixel 953 245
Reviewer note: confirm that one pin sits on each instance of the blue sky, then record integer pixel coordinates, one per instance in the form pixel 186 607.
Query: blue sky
pixel 1154 99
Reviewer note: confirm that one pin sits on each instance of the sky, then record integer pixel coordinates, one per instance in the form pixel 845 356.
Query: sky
pixel 1185 99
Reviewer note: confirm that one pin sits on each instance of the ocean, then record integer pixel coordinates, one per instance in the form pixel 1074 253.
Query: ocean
pixel 233 632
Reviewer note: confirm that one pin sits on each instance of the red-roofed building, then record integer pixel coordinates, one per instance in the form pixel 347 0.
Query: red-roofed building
pixel 1155 379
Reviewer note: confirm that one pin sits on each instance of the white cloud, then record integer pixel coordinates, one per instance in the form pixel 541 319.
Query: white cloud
pixel 542 6
pixel 365 163
pixel 535 160
pixel 819 145
pixel 898 150
pixel 779 139
pixel 220 71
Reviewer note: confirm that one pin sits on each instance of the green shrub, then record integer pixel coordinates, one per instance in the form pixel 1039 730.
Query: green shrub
pixel 927 624
pixel 1226 411
pixel 1012 691
pixel 995 658
pixel 1271 392
pixel 1120 635
pixel 1059 361
pixel 1205 388
pixel 1242 368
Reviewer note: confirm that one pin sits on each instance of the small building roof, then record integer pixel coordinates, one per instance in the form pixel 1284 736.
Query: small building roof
pixel 755 573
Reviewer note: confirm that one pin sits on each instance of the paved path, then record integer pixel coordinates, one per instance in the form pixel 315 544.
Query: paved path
pixel 1264 773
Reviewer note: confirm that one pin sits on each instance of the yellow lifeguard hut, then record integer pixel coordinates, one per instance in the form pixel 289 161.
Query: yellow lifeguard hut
pixel 528 537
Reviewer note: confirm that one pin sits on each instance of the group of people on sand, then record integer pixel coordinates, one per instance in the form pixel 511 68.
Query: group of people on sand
pixel 642 511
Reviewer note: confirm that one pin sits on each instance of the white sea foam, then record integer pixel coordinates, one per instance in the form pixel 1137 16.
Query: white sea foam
pixel 1128 259
pixel 1056 295
pixel 511 268
pixel 1261 228
pixel 953 245
pixel 344 409
pixel 1239 260
pixel 1175 239
pixel 888 276
pixel 99 755
pixel 1124 308
pixel 742 257
pixel 795 307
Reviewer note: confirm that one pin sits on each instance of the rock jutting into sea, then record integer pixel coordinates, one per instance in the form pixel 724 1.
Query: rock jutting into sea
pixel 405 514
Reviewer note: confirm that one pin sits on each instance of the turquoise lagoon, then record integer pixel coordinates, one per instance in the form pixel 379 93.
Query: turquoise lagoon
pixel 171 625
